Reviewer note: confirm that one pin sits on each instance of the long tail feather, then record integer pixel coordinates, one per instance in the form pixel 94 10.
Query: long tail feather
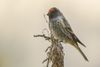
pixel 84 56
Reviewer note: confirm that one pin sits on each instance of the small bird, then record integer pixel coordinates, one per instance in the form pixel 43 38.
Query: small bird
pixel 61 29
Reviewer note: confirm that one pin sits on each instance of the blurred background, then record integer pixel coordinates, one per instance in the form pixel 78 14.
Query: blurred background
pixel 21 19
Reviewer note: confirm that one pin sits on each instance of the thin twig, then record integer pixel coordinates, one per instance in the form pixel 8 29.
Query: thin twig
pixel 55 52
pixel 45 18
pixel 46 37
pixel 45 60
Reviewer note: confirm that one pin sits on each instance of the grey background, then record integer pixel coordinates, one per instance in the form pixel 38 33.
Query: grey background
pixel 21 19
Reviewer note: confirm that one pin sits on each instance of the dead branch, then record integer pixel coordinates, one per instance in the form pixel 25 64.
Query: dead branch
pixel 46 37
pixel 54 52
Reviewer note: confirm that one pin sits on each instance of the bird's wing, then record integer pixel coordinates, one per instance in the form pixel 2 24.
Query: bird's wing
pixel 62 28
pixel 68 34
pixel 68 28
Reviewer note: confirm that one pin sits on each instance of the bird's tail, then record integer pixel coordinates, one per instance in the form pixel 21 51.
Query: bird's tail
pixel 84 56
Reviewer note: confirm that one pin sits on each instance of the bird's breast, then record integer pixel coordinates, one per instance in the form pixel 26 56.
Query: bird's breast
pixel 56 30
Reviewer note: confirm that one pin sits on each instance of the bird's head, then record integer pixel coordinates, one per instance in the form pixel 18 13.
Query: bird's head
pixel 53 12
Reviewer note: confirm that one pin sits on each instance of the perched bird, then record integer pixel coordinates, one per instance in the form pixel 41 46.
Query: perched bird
pixel 61 29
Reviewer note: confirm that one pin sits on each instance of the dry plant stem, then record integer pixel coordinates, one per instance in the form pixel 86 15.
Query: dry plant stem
pixel 46 37
pixel 57 55
pixel 54 52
